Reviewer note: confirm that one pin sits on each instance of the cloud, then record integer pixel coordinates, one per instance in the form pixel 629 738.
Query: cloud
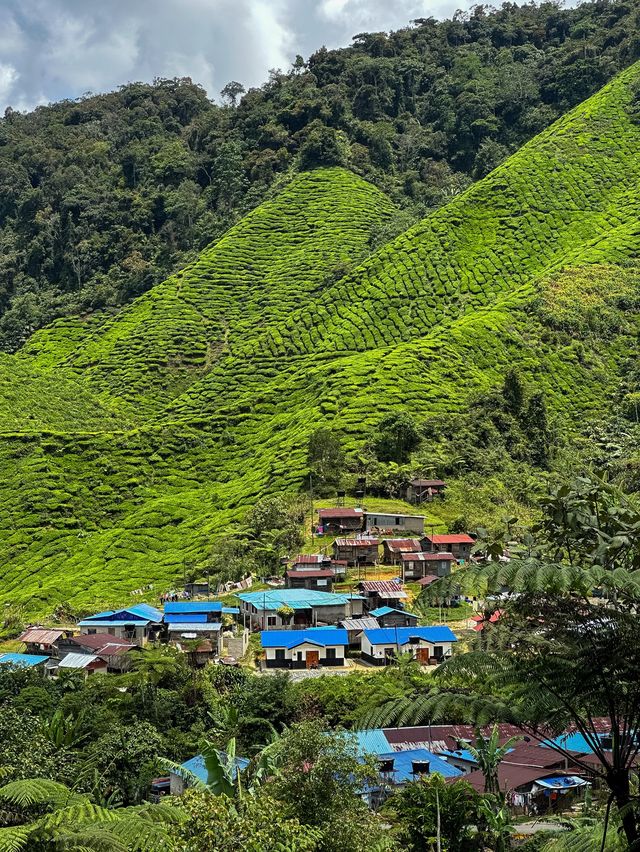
pixel 53 49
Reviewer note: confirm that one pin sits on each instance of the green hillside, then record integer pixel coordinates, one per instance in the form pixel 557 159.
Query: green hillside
pixel 227 367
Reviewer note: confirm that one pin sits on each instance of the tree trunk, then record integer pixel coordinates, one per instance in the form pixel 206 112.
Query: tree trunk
pixel 618 783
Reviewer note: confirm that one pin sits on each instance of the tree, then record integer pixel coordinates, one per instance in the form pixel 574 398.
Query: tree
pixel 488 754
pixel 221 824
pixel 232 91
pixel 325 457
pixel 429 807
pixel 44 814
pixel 320 779
pixel 513 392
pixel 321 148
pixel 396 438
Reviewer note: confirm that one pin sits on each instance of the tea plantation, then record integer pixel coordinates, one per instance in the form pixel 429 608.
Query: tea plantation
pixel 129 442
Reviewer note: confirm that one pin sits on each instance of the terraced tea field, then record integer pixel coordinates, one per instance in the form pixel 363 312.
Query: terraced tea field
pixel 134 439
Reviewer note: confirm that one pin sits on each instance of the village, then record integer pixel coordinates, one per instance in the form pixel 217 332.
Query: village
pixel 347 607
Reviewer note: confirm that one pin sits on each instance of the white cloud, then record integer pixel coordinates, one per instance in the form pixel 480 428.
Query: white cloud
pixel 51 49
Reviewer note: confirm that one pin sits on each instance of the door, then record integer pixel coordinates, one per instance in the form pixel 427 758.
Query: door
pixel 313 659
pixel 422 656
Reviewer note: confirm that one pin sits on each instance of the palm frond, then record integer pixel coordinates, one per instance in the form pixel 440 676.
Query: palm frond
pixel 15 839
pixel 39 791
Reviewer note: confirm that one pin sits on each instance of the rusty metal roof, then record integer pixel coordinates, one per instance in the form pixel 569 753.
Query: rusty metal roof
pixel 40 635
pixel 340 512
pixel 385 588
pixel 400 545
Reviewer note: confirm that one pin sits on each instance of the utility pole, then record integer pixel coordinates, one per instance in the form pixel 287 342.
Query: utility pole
pixel 311 498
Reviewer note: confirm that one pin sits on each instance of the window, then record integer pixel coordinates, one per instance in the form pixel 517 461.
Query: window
pixel 374 522
pixel 331 654
pixel 279 653
pixel 398 522
pixel 271 621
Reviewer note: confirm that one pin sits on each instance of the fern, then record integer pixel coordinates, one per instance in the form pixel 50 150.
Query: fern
pixel 38 791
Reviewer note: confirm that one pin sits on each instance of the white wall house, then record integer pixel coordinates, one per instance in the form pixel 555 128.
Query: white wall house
pixel 424 643
pixel 304 649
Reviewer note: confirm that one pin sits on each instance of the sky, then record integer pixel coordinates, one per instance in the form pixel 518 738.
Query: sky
pixel 54 49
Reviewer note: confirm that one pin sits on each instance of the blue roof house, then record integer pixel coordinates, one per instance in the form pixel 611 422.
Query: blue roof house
pixel 310 608
pixel 428 645
pixel 304 649
pixel 182 776
pixel 23 661
pixel 138 623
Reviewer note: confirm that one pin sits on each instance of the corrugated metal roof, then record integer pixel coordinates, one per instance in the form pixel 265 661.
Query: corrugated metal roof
pixel 359 623
pixel 230 610
pixel 340 512
pixel 177 607
pixel 310 559
pixel 427 483
pixel 323 636
pixel 78 661
pixel 114 649
pixel 428 579
pixel 97 641
pixel 22 661
pixel 403 764
pixel 197 766
pixel 372 742
pixel 356 542
pixel 320 572
pixel 385 610
pixel 428 557
pixel 385 588
pixel 40 635
pixel 185 617
pixel 402 545
pixel 295 598
pixel 387 635
pixel 451 538
pixel 195 627
pixel 131 615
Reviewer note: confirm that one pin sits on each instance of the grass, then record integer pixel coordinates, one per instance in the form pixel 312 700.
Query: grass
pixel 153 430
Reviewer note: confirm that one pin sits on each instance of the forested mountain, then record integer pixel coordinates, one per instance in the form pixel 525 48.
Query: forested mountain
pixel 103 197
pixel 502 325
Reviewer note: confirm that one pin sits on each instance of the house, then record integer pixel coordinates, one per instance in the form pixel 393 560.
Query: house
pixel 140 623
pixel 208 634
pixel 379 593
pixel 339 567
pixel 184 610
pixel 41 640
pixel 23 661
pixel 309 561
pixel 115 652
pixel 379 522
pixel 340 519
pixel 398 768
pixel 199 587
pixel 389 617
pixel 533 789
pixel 394 548
pixel 425 490
pixel 181 776
pixel 459 544
pixel 356 551
pixel 355 626
pixel 427 580
pixel 321 578
pixel 310 608
pixel 304 649
pixel 87 663
pixel 417 565
pixel 428 645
